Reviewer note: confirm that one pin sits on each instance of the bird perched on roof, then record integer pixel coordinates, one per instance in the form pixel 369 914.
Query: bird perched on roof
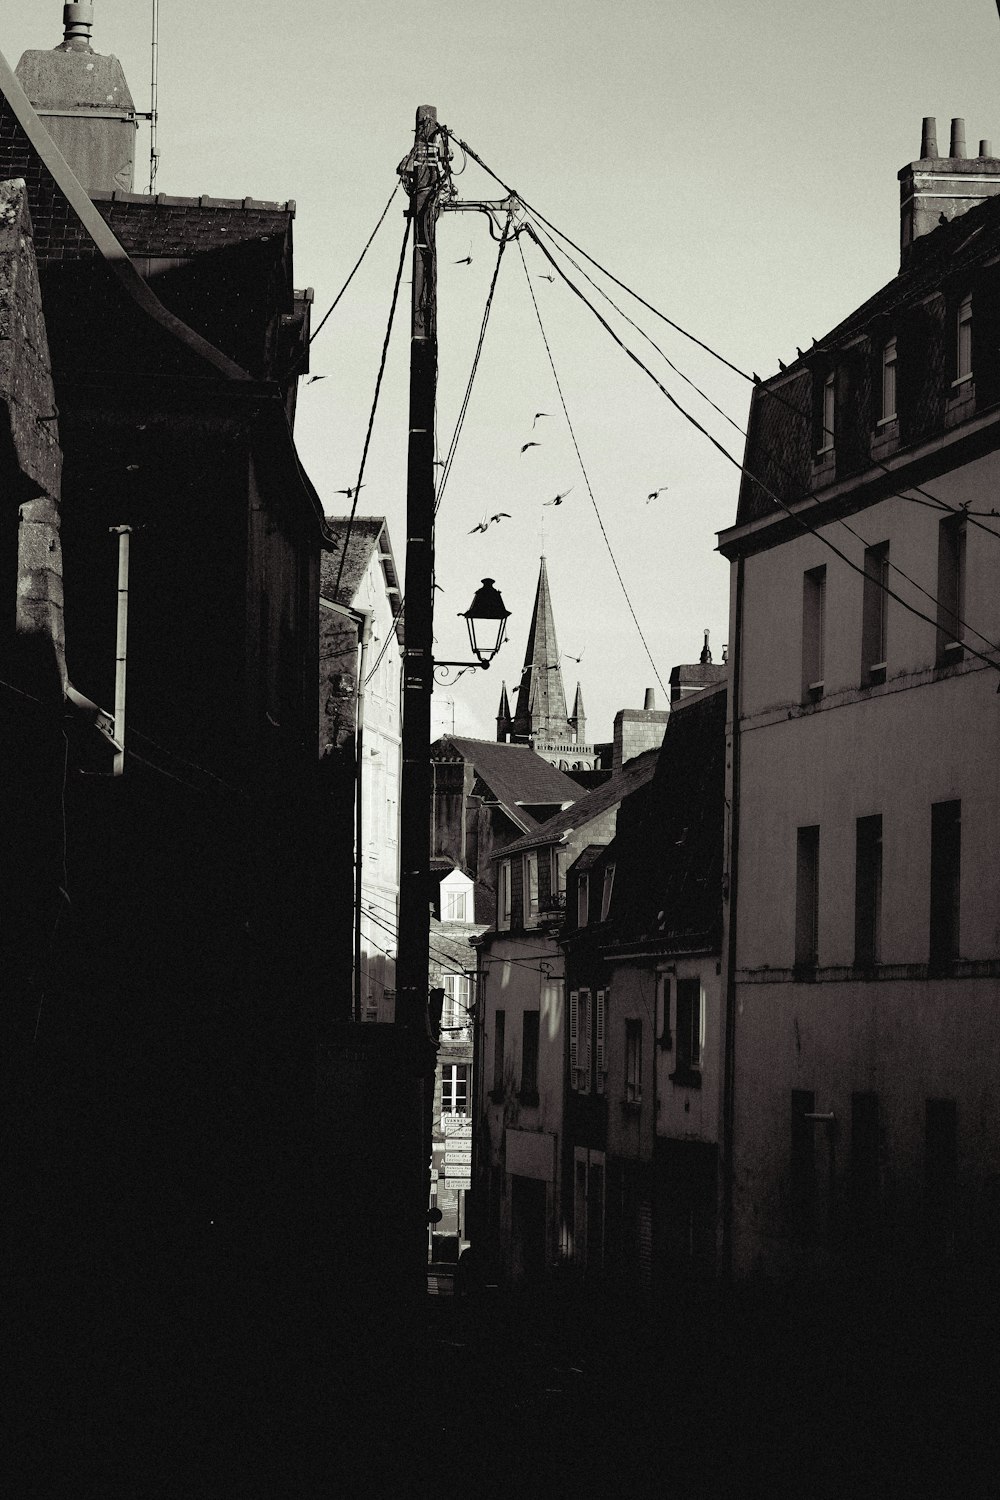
pixel 653 493
pixel 781 365
pixel 526 446
pixel 559 498
pixel 488 521
pixel 351 491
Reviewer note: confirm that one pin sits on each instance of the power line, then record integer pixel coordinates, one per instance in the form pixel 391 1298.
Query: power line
pixel 772 456
pixel 794 515
pixel 583 467
pixel 450 455
pixel 371 419
pixel 315 334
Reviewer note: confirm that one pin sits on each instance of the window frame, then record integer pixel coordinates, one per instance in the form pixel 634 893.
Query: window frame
pixel 875 615
pixel 454 1069
pixel 813 633
pixel 530 1032
pixel 499 1052
pixel 503 896
pixel 632 1079
pixel 945 885
pixel 583 898
pixel 826 411
pixel 951 580
pixel 531 902
pixel 607 890
pixel 890 382
pixel 963 341
pixel 689 1029
pixel 868 891
pixel 807 854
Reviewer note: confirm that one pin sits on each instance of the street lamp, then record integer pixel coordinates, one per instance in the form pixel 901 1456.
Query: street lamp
pixel 486 618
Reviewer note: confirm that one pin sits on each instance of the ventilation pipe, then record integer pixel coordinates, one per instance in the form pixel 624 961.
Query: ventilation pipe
pixel 123 533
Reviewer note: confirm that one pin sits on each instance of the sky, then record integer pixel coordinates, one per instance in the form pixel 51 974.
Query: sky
pixel 735 165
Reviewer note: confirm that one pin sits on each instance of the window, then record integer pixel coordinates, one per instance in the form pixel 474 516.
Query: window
pixel 874 614
pixel 807 898
pixel 456 906
pixel 582 900
pixel 503 896
pixel 601 1036
pixel 889 379
pixel 529 1056
pixel 455 1013
pixel 531 888
pixel 813 621
pixel 557 875
pixel 868 892
pixel 802 1184
pixel 826 414
pixel 609 885
pixel 946 863
pixel 689 1012
pixel 499 1041
pixel 633 1062
pixel 663 1007
pixel 579 1040
pixel 963 345
pixel 455 1089
pixel 950 589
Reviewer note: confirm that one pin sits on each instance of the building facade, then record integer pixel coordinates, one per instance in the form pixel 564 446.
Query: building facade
pixel 863 945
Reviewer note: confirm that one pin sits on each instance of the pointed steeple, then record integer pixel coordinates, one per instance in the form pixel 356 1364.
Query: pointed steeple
pixel 578 718
pixel 503 715
pixel 541 697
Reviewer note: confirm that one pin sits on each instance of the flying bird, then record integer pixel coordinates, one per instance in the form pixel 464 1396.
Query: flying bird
pixel 540 414
pixel 571 657
pixel 352 491
pixel 559 498
pixel 544 276
pixel 466 259
pixel 526 446
pixel 653 493
pixel 313 378
pixel 488 521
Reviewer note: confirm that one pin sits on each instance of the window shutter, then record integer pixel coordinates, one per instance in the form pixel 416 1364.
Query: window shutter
pixel 574 1036
pixel 602 1000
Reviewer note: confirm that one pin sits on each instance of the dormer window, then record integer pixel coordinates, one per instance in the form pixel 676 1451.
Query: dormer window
pixel 889 379
pixel 582 900
pixel 963 344
pixel 826 410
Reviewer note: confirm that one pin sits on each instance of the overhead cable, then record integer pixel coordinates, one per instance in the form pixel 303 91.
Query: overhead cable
pixel 371 417
pixel 583 467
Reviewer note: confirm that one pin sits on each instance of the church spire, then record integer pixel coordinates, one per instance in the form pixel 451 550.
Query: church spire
pixel 503 714
pixel 578 718
pixel 541 698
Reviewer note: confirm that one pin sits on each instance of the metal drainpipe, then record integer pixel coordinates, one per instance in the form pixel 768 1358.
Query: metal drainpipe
pixel 364 637
pixel 729 1073
pixel 123 533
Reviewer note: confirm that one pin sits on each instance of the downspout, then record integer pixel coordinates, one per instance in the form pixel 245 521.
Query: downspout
pixel 729 1068
pixel 364 637
pixel 123 533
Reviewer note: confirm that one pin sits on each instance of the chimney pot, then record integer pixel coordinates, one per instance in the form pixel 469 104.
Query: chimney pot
pixel 957 148
pixel 78 21
pixel 985 148
pixel 928 139
pixel 649 702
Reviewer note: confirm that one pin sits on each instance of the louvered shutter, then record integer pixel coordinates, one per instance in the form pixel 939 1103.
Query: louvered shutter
pixel 583 1048
pixel 602 1001
pixel 574 1036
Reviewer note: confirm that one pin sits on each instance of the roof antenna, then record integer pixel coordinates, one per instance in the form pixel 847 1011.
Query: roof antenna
pixel 155 153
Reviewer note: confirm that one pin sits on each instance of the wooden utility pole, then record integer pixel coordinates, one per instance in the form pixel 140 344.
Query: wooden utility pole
pixel 423 176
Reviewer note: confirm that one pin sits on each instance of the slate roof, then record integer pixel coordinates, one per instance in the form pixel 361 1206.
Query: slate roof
pixel 167 226
pixel 517 777
pixel 779 446
pixel 632 776
pixel 668 849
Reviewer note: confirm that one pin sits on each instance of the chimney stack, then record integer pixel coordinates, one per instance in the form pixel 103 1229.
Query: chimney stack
pixel 84 102
pixel 649 702
pixel 948 186
pixel 637 730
